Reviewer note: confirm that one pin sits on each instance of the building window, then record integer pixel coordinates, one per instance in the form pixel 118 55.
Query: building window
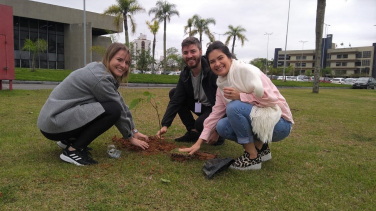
pixel 301 57
pixel 344 63
pixel 366 54
pixel 338 64
pixel 366 62
pixel 339 56
pixel 359 55
pixel 282 57
pixel 345 56
pixel 358 64
pixel 329 56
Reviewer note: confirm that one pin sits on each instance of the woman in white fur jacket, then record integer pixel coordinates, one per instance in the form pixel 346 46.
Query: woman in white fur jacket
pixel 257 113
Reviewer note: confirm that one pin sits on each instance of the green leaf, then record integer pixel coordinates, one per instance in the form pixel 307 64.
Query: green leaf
pixel 146 93
pixel 165 180
pixel 134 103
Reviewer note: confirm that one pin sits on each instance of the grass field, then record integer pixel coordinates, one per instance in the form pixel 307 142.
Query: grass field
pixel 327 163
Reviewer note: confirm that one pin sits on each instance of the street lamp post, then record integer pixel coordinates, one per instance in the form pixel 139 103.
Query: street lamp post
pixel 218 35
pixel 84 34
pixel 287 32
pixel 302 55
pixel 267 49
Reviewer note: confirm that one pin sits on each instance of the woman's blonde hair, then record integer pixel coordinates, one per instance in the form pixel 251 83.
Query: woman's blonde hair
pixel 110 53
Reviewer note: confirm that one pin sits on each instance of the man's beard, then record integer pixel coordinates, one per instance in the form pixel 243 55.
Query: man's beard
pixel 195 65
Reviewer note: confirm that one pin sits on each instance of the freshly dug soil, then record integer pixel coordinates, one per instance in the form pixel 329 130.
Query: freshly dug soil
pixel 157 145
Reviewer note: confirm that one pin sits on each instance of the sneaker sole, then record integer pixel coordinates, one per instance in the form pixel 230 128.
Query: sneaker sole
pixel 60 144
pixel 253 167
pixel 69 160
pixel 266 157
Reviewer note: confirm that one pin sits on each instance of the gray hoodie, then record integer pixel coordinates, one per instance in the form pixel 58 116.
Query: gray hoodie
pixel 75 101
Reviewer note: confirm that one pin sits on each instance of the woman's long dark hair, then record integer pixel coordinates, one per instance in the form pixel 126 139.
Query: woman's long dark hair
pixel 218 45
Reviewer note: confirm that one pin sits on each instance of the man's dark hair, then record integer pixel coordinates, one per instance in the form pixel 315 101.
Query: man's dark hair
pixel 218 45
pixel 191 40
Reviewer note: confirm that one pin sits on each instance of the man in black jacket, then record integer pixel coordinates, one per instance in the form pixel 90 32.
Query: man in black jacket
pixel 195 91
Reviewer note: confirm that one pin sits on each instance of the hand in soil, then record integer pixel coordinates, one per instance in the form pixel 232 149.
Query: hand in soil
pixel 141 136
pixel 194 148
pixel 162 131
pixel 139 143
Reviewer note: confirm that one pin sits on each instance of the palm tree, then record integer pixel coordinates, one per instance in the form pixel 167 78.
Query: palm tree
pixel 188 27
pixel 153 29
pixel 320 14
pixel 235 32
pixel 163 11
pixel 202 26
pixel 125 9
pixel 40 45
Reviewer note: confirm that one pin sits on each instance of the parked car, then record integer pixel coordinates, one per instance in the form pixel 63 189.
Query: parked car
pixel 364 83
pixel 136 71
pixel 349 81
pixel 175 73
pixel 309 78
pixel 325 80
pixel 300 78
pixel 294 78
pixel 338 80
pixel 288 78
pixel 280 77
pixel 148 72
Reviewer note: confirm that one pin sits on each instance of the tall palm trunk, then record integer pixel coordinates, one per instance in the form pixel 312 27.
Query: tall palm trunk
pixel 233 45
pixel 152 66
pixel 164 46
pixel 126 29
pixel 320 14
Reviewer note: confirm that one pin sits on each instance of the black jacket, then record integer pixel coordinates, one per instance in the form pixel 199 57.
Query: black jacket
pixel 184 91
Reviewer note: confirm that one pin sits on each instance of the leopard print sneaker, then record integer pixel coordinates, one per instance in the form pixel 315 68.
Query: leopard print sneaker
pixel 265 153
pixel 245 163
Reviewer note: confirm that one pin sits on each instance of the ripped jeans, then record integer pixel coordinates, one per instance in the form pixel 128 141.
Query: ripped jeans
pixel 237 125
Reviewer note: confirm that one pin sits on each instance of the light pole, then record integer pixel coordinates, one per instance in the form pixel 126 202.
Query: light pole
pixel 287 32
pixel 84 34
pixel 267 49
pixel 218 35
pixel 302 55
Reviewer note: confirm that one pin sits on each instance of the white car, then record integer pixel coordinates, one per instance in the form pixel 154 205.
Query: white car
pixel 349 81
pixel 175 73
pixel 280 77
pixel 300 78
pixel 338 80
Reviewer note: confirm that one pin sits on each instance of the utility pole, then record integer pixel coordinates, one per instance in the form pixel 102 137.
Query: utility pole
pixel 302 56
pixel 84 34
pixel 287 32
pixel 267 49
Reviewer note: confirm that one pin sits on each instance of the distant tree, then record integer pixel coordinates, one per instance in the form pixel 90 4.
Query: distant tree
pixel 125 9
pixel 153 29
pixel 201 26
pixel 144 60
pixel 163 11
pixel 259 62
pixel 235 32
pixel 40 45
pixel 326 72
pixel 320 14
pixel 188 27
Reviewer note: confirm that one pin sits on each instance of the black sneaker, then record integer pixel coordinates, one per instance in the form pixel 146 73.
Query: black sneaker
pixel 77 157
pixel 190 136
pixel 265 153
pixel 245 163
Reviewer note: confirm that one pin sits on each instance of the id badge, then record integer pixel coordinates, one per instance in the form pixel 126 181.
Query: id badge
pixel 197 107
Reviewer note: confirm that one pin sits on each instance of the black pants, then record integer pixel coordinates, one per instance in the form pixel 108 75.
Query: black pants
pixel 187 117
pixel 81 137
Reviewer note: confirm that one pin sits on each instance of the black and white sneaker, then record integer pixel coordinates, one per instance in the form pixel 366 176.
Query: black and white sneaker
pixel 245 163
pixel 265 153
pixel 77 157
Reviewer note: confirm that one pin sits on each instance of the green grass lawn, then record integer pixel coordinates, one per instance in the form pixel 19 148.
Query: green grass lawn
pixel 327 163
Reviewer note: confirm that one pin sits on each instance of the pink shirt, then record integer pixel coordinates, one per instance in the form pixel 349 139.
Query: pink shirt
pixel 271 97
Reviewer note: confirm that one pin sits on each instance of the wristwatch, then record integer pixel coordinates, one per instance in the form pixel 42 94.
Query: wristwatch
pixel 135 130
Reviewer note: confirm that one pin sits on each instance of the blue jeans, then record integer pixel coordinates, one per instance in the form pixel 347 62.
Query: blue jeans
pixel 237 125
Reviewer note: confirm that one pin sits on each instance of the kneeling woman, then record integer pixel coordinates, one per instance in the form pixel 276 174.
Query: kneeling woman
pixel 257 113
pixel 86 104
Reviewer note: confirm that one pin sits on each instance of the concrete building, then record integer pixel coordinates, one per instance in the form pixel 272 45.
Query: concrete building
pixel 62 28
pixel 351 61
pixel 140 43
